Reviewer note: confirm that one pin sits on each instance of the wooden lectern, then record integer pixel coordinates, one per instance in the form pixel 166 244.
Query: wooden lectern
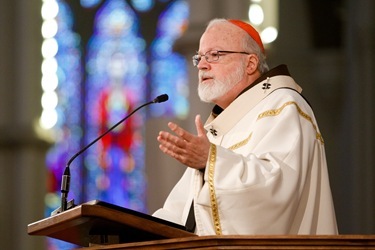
pixel 100 225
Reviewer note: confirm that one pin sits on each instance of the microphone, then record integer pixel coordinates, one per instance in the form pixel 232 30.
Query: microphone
pixel 65 182
pixel 161 98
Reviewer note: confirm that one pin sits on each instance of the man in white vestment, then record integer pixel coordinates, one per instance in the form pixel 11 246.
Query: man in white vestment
pixel 257 165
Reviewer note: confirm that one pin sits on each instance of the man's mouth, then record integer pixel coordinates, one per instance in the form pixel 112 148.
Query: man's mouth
pixel 204 78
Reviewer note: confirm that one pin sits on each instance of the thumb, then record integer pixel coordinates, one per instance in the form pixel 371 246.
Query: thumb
pixel 199 125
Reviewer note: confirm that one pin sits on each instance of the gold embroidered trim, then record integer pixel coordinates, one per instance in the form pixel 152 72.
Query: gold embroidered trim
pixel 211 171
pixel 274 112
pixel 241 143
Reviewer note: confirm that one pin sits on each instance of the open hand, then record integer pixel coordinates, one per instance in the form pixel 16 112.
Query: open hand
pixel 189 149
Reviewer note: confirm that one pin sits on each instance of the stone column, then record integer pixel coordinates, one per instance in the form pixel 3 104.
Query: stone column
pixel 22 153
pixel 357 144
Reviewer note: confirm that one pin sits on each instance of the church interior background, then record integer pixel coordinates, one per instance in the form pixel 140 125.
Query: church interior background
pixel 71 69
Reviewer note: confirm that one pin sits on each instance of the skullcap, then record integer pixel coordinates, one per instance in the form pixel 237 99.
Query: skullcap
pixel 249 30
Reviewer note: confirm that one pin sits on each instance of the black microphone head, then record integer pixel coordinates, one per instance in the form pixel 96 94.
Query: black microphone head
pixel 161 98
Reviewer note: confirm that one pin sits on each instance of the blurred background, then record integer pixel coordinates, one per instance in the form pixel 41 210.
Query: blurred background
pixel 70 69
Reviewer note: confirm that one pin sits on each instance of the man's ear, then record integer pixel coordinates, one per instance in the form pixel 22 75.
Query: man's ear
pixel 252 64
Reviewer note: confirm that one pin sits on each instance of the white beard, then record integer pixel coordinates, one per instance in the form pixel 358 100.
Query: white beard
pixel 215 90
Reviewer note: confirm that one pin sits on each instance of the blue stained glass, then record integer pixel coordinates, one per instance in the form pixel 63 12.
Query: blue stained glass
pixel 68 128
pixel 143 5
pixel 115 86
pixel 90 3
pixel 168 68
pixel 69 75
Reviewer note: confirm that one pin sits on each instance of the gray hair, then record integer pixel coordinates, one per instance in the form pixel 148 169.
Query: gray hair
pixel 248 45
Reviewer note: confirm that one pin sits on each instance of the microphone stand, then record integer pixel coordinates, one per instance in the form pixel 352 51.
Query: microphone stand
pixel 65 182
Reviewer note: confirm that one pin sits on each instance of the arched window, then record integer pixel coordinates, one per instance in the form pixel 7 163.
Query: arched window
pixel 110 57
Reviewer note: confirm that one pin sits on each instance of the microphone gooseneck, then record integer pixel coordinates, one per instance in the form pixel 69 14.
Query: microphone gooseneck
pixel 65 182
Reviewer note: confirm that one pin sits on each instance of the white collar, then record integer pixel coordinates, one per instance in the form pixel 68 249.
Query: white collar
pixel 220 125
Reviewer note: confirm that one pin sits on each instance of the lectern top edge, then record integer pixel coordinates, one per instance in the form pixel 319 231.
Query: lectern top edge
pixel 84 223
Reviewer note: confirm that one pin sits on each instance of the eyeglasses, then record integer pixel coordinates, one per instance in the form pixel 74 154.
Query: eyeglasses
pixel 213 56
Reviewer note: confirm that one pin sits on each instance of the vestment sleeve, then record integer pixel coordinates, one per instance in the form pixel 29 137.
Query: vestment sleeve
pixel 175 208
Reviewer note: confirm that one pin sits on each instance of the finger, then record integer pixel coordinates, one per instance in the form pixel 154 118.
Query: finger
pixel 175 152
pixel 171 142
pixel 182 133
pixel 167 151
pixel 167 139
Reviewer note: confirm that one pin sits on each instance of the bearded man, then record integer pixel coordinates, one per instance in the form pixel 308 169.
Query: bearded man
pixel 257 165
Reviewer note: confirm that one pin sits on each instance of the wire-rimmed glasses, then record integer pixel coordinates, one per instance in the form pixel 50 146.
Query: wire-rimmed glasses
pixel 214 55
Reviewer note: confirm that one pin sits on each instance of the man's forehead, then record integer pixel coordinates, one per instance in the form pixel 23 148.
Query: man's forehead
pixel 219 37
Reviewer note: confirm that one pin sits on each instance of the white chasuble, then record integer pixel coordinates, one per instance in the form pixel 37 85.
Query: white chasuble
pixel 266 172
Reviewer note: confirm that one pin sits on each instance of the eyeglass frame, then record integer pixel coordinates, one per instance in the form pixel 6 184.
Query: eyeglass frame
pixel 196 60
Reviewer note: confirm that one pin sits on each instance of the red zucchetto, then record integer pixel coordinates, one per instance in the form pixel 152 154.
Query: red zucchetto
pixel 249 30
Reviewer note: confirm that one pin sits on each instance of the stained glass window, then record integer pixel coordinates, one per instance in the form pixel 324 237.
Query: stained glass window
pixel 116 84
pixel 68 129
pixel 125 60
pixel 168 71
